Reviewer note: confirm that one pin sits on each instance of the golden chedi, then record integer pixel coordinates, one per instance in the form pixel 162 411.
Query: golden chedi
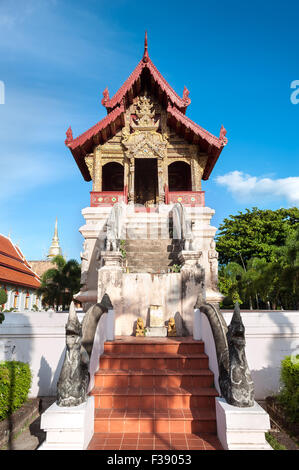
pixel 171 330
pixel 139 327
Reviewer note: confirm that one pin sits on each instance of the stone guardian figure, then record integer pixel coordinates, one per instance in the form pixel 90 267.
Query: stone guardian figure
pixel 114 227
pixel 74 377
pixel 182 226
pixel 241 390
pixel 235 380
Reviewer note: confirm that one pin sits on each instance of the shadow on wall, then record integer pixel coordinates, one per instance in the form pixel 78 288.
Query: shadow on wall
pixel 270 336
pixel 286 347
pixel 265 381
pixel 47 385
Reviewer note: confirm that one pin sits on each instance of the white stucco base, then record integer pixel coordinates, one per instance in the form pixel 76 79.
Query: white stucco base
pixel 68 428
pixel 242 428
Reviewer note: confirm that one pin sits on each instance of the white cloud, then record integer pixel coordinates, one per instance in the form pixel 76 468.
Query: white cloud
pixel 249 188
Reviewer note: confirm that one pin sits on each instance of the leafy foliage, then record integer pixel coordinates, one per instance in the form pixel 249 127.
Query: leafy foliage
pixel 15 381
pixel 60 283
pixel 271 274
pixel 3 297
pixel 123 248
pixel 3 300
pixel 255 233
pixel 273 442
pixel 289 395
pixel 176 268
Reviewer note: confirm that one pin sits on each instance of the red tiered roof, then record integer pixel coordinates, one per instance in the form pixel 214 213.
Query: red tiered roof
pixel 116 106
pixel 14 268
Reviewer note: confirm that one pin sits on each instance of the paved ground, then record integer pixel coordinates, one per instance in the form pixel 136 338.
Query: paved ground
pixel 32 436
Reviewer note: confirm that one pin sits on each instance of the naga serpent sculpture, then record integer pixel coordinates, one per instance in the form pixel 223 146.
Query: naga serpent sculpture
pixel 235 382
pixel 74 376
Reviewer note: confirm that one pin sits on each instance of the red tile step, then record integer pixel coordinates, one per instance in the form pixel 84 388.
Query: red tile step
pixel 155 421
pixel 158 387
pixel 153 398
pixel 154 378
pixel 154 441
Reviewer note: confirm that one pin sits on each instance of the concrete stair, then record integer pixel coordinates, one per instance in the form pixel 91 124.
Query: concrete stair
pixel 153 256
pixel 149 387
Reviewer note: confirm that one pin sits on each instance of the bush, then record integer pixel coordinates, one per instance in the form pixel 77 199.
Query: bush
pixel 289 395
pixel 15 382
pixel 3 300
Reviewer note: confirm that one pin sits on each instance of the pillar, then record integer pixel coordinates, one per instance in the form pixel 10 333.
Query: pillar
pixel 131 191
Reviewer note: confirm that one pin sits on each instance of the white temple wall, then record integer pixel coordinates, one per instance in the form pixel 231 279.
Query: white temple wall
pixel 39 339
pixel 141 290
pixel 36 338
pixel 142 225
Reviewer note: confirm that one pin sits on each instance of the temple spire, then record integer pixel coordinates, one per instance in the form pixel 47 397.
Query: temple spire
pixel 145 54
pixel 54 249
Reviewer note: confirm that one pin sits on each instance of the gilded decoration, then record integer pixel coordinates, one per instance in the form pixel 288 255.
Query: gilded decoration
pixel 145 141
pixel 89 164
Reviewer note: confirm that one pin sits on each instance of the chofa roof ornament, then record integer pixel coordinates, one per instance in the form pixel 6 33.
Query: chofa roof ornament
pixel 69 136
pixel 222 138
pixel 106 97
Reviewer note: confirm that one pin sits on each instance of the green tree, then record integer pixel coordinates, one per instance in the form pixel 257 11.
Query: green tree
pixel 60 283
pixel 230 277
pixel 271 274
pixel 3 300
pixel 255 233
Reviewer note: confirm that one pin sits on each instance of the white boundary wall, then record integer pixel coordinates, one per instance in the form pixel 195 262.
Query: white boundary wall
pixel 39 339
pixel 270 336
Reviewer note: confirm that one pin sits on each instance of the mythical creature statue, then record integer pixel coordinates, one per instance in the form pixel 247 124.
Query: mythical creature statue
pixel 74 377
pixel 171 328
pixel 114 227
pixel 90 322
pixel 241 390
pixel 235 382
pixel 182 226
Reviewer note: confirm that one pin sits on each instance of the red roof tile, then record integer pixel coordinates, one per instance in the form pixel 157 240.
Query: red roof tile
pixel 103 130
pixel 198 130
pixel 93 131
pixel 11 276
pixel 14 268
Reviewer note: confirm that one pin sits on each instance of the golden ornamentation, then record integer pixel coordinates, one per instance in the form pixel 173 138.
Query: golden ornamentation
pixel 145 115
pixel 171 328
pixel 89 164
pixel 139 327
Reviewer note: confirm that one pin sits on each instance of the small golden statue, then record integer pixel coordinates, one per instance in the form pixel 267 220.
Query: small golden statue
pixel 139 327
pixel 171 330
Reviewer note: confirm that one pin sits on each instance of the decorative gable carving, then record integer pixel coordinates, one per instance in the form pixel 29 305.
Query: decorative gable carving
pixel 145 141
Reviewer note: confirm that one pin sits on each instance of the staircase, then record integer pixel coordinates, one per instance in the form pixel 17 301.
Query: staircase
pixel 154 393
pixel 151 256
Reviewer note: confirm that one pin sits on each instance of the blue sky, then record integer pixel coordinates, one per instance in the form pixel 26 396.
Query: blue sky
pixel 238 59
